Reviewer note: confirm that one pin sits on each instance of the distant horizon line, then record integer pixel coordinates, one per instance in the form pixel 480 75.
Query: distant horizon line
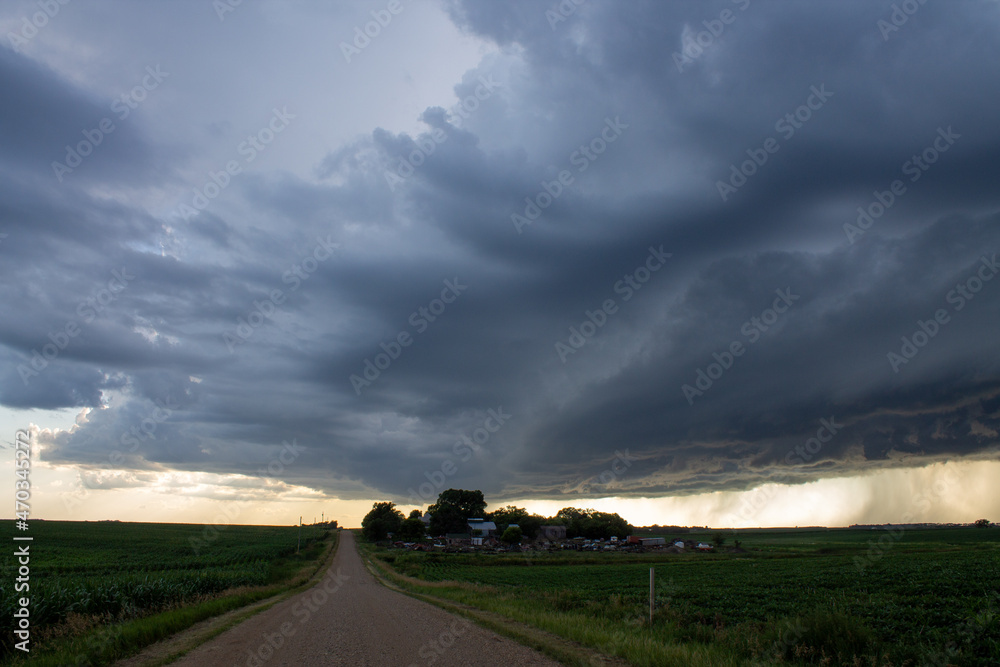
pixel 950 524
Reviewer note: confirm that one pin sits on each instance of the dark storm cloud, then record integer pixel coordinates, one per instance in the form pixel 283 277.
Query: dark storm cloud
pixel 47 114
pixel 598 96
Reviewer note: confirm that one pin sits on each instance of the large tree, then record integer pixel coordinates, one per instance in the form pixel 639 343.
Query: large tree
pixel 383 519
pixel 453 509
pixel 592 524
pixel 505 516
pixel 412 529
pixel 574 519
pixel 511 536
pixel 530 524
pixel 609 524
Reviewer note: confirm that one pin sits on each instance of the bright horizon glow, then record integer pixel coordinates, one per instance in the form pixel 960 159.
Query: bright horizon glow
pixel 952 492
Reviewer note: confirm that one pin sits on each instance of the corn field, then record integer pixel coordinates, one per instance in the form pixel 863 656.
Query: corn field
pixel 117 571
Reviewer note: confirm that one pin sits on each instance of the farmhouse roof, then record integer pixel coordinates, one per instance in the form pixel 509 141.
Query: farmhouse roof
pixel 479 524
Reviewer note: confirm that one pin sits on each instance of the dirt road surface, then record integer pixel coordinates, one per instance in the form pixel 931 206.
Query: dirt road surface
pixel 348 618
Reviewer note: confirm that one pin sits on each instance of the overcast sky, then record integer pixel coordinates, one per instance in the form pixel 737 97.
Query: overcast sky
pixel 647 256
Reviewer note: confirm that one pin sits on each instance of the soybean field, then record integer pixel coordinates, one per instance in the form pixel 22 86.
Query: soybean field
pixel 837 596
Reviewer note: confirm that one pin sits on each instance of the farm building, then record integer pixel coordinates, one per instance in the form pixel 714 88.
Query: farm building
pixel 553 533
pixel 647 541
pixel 480 530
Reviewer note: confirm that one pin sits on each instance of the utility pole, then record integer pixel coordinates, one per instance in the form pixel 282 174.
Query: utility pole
pixel 299 546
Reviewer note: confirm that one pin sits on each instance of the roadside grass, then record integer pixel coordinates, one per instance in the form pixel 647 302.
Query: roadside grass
pixel 98 640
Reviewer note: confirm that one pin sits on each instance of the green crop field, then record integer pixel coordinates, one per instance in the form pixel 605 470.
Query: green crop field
pixel 85 574
pixel 841 596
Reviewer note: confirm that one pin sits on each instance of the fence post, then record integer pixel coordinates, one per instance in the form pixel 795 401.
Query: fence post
pixel 652 593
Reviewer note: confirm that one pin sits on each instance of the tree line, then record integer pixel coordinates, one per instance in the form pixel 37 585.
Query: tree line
pixel 454 508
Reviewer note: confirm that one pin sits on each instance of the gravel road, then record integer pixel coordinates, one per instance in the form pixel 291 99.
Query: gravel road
pixel 348 618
